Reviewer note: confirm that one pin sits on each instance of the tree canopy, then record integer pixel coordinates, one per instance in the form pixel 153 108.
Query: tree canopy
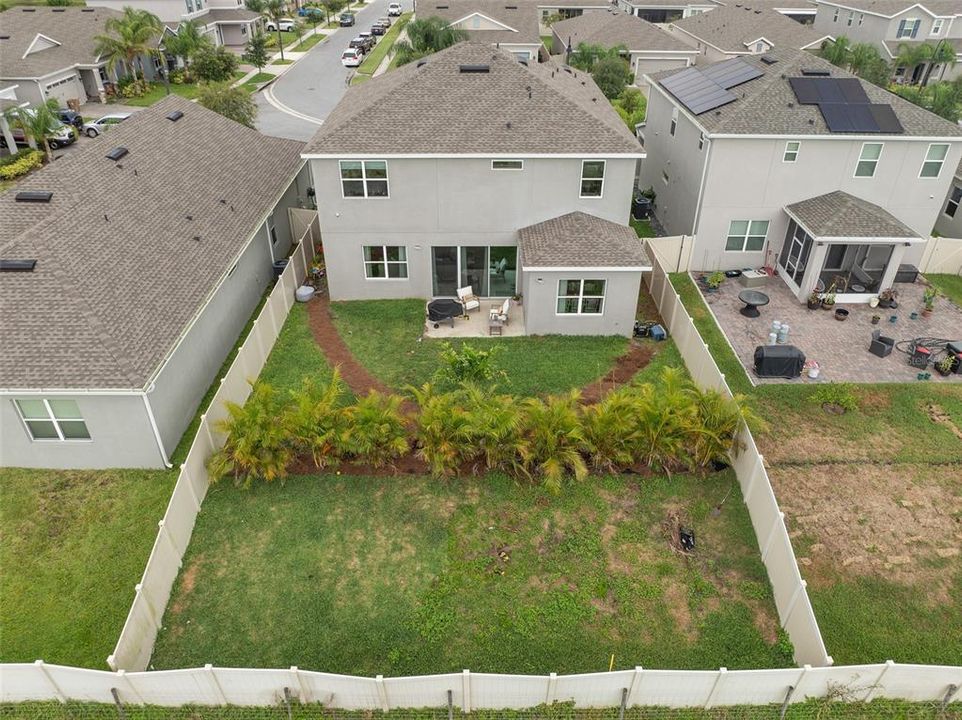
pixel 231 102
pixel 426 36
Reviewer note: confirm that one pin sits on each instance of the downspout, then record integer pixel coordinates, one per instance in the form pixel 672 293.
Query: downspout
pixel 153 426
pixel 701 189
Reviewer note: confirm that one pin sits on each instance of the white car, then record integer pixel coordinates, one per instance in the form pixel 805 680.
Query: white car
pixel 95 127
pixel 394 9
pixel 286 25
pixel 352 57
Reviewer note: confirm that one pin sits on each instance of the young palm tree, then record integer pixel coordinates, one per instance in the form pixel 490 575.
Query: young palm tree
pixel 555 438
pixel 187 42
pixel 276 9
pixel 426 36
pixel 131 38
pixel 837 52
pixel 38 124
pixel 911 56
pixel 586 56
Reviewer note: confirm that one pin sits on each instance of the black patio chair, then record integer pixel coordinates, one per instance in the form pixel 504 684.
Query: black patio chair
pixel 881 346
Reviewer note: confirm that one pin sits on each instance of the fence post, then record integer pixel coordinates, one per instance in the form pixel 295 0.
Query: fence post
pixel 552 684
pixel 770 540
pixel 257 339
pixel 381 693
pixel 798 693
pixel 756 472
pixel 162 529
pixel 206 425
pixel 151 610
pixel 190 486
pixel 122 676
pixel 635 686
pixel 304 695
pixel 215 683
pixel 719 681
pixel 466 691
pixel 793 603
pixel 46 673
pixel 874 687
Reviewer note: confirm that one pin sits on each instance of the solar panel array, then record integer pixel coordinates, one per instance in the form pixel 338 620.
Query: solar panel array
pixel 703 90
pixel 844 105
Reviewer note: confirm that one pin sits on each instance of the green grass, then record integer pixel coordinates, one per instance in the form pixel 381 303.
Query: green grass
pixel 547 41
pixel 535 365
pixel 295 354
pixel 73 545
pixel 285 61
pixel 948 285
pixel 308 43
pixel 383 47
pixel 158 91
pixel 720 350
pixel 403 576
pixel 260 78
pixel 642 228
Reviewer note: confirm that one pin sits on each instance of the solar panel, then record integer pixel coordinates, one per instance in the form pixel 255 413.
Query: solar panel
pixel 837 118
pixel 696 92
pixel 886 119
pixel 732 72
pixel 828 90
pixel 852 90
pixel 804 89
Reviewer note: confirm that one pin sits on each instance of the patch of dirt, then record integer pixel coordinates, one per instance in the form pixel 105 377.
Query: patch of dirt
pixel 675 519
pixel 188 580
pixel 897 522
pixel 676 603
pixel 624 369
pixel 941 417
pixel 607 605
pixel 804 441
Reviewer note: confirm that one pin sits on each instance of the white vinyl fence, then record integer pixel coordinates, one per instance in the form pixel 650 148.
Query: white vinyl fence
pixel 476 691
pixel 942 255
pixel 136 642
pixel 791 599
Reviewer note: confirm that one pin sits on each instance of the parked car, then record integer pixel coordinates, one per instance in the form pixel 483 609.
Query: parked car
pixel 378 29
pixel 394 9
pixel 307 11
pixel 385 21
pixel 95 127
pixel 368 37
pixel 70 117
pixel 346 20
pixel 352 57
pixel 62 136
pixel 286 25
pixel 359 44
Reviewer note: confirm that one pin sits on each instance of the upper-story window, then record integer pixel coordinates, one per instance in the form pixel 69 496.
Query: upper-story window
pixel 835 16
pixel 364 178
pixel 52 419
pixel 868 160
pixel 746 235
pixel 936 27
pixel 861 19
pixel 791 151
pixel 908 28
pixel 592 178
pixel 851 18
pixel 674 122
pixel 934 159
pixel 955 199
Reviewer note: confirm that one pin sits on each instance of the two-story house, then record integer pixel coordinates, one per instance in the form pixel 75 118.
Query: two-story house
pixel 470 168
pixel 949 223
pixel 785 161
pixel 512 26
pixel 225 22
pixel 666 11
pixel 887 24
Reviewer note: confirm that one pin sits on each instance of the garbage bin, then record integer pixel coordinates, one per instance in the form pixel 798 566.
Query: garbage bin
pixel 640 207
pixel 279 266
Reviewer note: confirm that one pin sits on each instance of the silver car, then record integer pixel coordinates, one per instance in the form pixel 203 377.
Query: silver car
pixel 95 127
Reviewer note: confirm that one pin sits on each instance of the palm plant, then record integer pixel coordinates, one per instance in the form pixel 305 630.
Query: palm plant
pixel 611 432
pixel 586 56
pixel 442 429
pixel 837 51
pixel 493 431
pixel 376 430
pixel 38 124
pixel 315 420
pixel 133 36
pixel 188 41
pixel 666 420
pixel 719 420
pixel 426 36
pixel 912 55
pixel 552 430
pixel 276 9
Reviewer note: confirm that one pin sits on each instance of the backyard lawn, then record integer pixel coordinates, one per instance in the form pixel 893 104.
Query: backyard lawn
pixel 406 576
pixel 948 285
pixel 72 546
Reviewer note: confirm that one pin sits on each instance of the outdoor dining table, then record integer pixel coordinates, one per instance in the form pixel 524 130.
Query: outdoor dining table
pixel 753 299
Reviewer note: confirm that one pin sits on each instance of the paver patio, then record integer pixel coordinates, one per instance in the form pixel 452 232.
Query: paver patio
pixel 840 348
pixel 475 323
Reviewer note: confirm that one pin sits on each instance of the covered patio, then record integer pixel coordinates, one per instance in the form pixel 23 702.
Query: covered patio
pixel 478 323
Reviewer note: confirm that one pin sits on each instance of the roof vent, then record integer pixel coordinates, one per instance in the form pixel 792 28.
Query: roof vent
pixel 17 265
pixel 174 116
pixel 474 69
pixel 768 59
pixel 4 37
pixel 422 63
pixel 117 153
pixel 35 196
pixel 815 72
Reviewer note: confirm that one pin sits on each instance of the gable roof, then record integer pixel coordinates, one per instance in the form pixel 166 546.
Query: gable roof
pixel 610 29
pixel 767 105
pixel 431 107
pixel 519 18
pixel 581 240
pixel 229 15
pixel 734 27
pixel 891 8
pixel 71 30
pixel 128 252
pixel 841 215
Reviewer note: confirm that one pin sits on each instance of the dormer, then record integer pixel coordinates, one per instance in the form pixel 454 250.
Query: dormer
pixel 40 43
pixel 480 21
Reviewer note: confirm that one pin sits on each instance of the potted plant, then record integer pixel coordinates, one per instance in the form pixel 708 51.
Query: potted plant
pixel 828 301
pixel 876 319
pixel 813 368
pixel 814 301
pixel 841 314
pixel 928 300
pixel 714 280
pixel 945 366
pixel 887 298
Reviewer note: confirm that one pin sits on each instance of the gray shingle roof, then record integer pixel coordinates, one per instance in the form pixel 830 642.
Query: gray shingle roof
pixel 840 215
pixel 119 272
pixel 888 8
pixel 732 28
pixel 513 108
pixel 520 16
pixel 581 240
pixel 229 15
pixel 73 27
pixel 611 29
pixel 774 4
pixel 768 106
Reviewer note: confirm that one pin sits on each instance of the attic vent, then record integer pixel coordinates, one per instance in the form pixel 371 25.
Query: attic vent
pixel 769 60
pixel 35 196
pixel 813 72
pixel 474 69
pixel 17 265
pixel 117 153
pixel 174 116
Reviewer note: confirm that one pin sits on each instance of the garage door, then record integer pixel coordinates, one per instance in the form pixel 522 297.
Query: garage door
pixel 68 88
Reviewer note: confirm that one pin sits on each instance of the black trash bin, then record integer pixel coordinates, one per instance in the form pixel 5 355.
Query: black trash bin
pixel 640 207
pixel 279 266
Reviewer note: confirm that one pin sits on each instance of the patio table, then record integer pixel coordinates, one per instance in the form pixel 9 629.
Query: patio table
pixel 753 299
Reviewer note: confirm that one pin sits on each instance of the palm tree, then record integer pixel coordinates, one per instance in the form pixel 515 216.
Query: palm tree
pixel 38 124
pixel 910 56
pixel 132 37
pixel 426 36
pixel 837 52
pixel 187 42
pixel 276 9
pixel 586 56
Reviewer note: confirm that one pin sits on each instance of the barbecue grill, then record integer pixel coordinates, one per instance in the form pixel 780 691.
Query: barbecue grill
pixel 444 309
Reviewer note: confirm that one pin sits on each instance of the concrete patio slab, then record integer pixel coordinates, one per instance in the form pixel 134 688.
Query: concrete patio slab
pixel 476 323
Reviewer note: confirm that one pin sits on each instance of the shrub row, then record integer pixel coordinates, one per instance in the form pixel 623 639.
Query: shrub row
pixel 670 426
pixel 13 166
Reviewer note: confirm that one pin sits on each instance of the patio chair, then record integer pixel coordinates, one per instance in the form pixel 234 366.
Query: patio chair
pixel 469 299
pixel 881 346
pixel 499 312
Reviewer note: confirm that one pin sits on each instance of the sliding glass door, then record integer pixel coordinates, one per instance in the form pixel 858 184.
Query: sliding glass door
pixel 474 269
pixel 503 269
pixel 445 267
pixel 491 271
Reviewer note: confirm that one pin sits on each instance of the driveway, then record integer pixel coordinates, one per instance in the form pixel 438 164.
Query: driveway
pixel 295 104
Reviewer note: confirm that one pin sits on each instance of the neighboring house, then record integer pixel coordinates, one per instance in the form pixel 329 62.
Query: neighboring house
pixel 786 161
pixel 50 52
pixel 801 11
pixel 949 223
pixel 146 270
pixel 225 22
pixel 512 26
pixel 666 11
pixel 739 29
pixel 549 10
pixel 886 24
pixel 650 49
pixel 8 103
pixel 417 205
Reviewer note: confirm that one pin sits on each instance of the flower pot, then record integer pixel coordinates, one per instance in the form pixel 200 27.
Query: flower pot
pixel 943 373
pixel 926 312
pixel 875 319
pixel 883 303
pixel 873 302
pixel 813 372
pixel 828 306
pixel 913 316
pixel 841 314
pixel 814 304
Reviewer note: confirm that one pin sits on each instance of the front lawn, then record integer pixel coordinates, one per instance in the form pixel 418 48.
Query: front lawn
pixel 158 91
pixel 307 43
pixel 257 80
pixel 535 365
pixel 407 576
pixel 72 546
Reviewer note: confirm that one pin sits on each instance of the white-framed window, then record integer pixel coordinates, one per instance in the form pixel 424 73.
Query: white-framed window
pixel 868 160
pixel 746 235
pixel 791 151
pixel 701 140
pixel 851 18
pixel 934 159
pixel 507 164
pixel 674 122
pixel 364 178
pixel 955 199
pixel 664 176
pixel 936 27
pixel 581 297
pixel 592 178
pixel 908 28
pixel 385 262
pixel 52 419
pixel 835 16
pixel 861 19
pixel 271 230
